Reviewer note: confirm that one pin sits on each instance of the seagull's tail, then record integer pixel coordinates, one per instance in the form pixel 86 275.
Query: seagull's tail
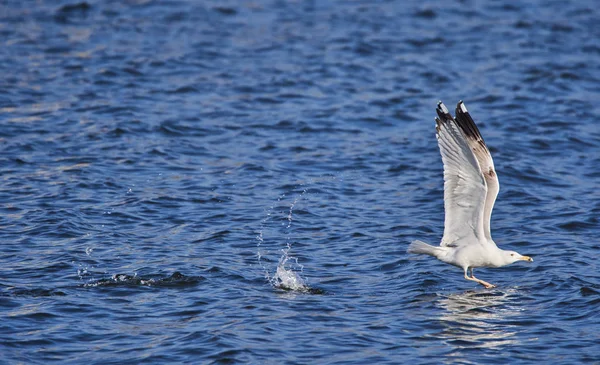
pixel 422 248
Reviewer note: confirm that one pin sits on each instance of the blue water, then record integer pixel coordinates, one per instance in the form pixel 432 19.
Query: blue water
pixel 160 160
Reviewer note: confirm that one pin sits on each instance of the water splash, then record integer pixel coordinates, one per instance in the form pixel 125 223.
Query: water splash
pixel 288 274
pixel 84 270
pixel 289 278
pixel 260 238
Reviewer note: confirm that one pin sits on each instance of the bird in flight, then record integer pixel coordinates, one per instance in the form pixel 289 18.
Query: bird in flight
pixel 470 190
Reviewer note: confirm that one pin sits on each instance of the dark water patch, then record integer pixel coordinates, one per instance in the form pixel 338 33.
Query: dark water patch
pixel 586 291
pixel 132 71
pixel 225 10
pixel 175 280
pixel 307 290
pixel 35 292
pixel 425 42
pixel 214 236
pixel 426 13
pixel 577 225
pixel 177 128
pixel 183 90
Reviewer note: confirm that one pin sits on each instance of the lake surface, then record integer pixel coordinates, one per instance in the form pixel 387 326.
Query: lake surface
pixel 160 160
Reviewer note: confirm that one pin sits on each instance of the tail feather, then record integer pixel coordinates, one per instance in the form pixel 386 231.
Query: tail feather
pixel 422 248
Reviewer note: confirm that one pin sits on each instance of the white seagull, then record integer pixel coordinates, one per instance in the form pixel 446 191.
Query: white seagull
pixel 470 190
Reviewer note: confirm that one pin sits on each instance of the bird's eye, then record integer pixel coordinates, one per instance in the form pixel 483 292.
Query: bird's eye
pixel 512 254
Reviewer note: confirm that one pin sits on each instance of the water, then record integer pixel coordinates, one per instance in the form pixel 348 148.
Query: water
pixel 237 182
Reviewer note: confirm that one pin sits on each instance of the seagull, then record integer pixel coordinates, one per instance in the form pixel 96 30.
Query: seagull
pixel 470 190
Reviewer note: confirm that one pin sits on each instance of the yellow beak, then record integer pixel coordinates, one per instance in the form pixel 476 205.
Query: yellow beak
pixel 526 258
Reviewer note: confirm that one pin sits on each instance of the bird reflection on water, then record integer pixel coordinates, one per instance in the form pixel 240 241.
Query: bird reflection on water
pixel 480 320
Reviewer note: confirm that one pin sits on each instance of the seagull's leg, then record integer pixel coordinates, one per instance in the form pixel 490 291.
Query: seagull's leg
pixel 473 278
pixel 484 283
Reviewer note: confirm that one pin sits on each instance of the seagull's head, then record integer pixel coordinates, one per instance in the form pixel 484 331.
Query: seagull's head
pixel 512 257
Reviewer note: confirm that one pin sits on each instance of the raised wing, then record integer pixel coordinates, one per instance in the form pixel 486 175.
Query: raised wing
pixel 464 185
pixel 484 158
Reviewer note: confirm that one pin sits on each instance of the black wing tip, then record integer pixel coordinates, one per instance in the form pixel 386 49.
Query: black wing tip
pixel 466 122
pixel 443 112
pixel 462 119
pixel 442 107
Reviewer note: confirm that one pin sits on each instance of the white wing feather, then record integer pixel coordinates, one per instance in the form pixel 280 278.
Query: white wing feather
pixel 465 188
pixel 484 158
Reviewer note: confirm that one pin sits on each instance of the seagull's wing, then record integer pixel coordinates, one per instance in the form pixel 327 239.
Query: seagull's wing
pixel 484 158
pixel 464 185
